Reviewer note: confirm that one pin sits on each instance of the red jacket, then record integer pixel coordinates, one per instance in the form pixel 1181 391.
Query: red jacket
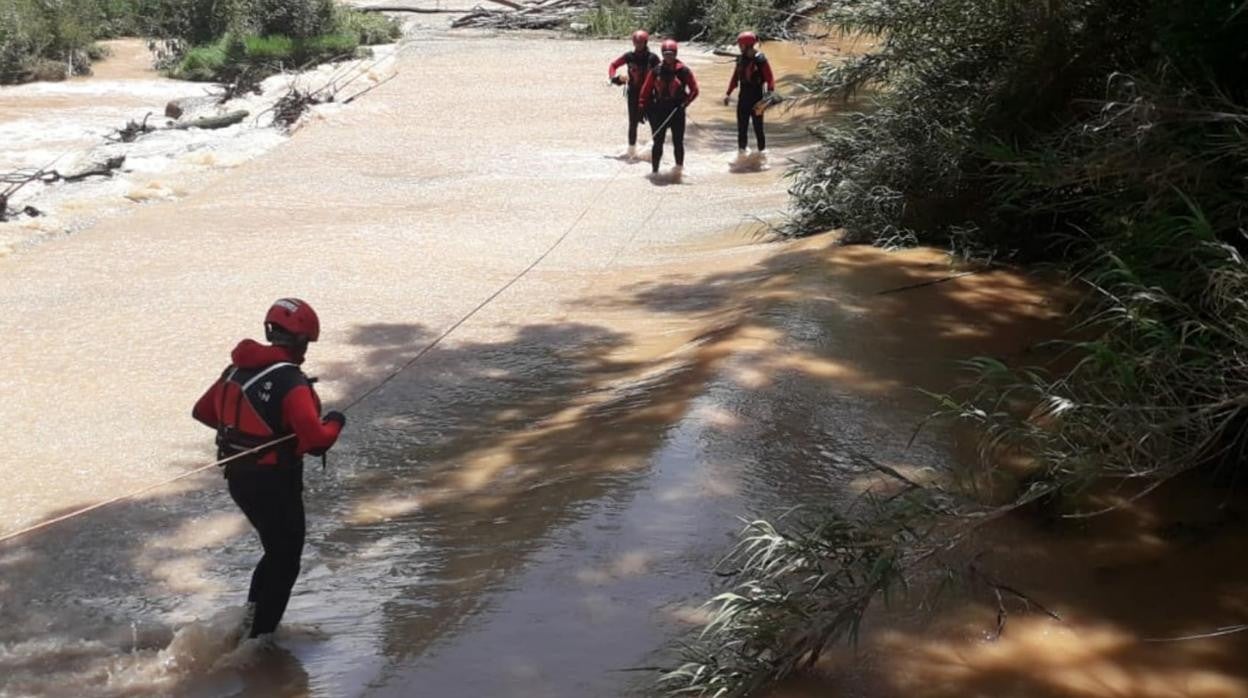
pixel 669 86
pixel 752 71
pixel 300 409
pixel 640 64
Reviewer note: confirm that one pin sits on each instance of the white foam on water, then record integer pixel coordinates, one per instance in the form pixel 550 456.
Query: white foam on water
pixel 210 650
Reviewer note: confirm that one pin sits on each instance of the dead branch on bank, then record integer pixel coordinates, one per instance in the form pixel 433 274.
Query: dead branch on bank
pixel 415 10
pixel 132 130
pixel 292 106
pixel 542 14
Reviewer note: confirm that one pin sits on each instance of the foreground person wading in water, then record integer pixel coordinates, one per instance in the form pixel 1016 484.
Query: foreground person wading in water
pixel 263 396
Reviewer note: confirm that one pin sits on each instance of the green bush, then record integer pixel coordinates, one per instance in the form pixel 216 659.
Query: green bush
pixel 269 49
pixel 35 34
pixel 203 63
pixel 327 47
pixel 258 57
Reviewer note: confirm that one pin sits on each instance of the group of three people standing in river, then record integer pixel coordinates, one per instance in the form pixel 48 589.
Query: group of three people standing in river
pixel 661 89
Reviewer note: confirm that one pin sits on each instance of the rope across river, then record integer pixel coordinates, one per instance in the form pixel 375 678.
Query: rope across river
pixel 363 396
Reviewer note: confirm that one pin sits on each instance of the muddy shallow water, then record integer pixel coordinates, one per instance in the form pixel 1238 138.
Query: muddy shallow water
pixel 532 509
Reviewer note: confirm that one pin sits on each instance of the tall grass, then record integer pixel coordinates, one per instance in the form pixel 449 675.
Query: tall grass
pixel 610 20
pixel 1108 138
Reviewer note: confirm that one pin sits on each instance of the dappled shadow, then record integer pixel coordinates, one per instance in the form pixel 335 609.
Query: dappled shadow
pixel 833 345
pixel 1133 591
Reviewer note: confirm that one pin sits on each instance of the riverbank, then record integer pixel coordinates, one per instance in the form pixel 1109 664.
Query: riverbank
pixel 68 125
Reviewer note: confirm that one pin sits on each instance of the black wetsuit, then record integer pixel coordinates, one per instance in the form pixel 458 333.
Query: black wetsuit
pixel 272 500
pixel 668 90
pixel 752 73
pixel 639 66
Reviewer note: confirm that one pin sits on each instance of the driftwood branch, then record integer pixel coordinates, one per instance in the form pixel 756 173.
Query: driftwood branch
pixel 999 590
pixel 132 130
pixel 548 14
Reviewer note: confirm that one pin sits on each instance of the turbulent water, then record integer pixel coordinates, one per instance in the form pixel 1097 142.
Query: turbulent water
pixel 529 510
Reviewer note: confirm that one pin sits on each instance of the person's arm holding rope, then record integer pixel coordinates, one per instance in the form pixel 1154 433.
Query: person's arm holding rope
pixel 313 434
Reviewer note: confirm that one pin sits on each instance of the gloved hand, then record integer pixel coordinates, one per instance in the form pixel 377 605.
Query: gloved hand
pixel 641 118
pixel 617 80
pixel 727 98
pixel 336 416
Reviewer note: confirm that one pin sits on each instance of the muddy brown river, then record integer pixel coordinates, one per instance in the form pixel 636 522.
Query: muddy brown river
pixel 531 509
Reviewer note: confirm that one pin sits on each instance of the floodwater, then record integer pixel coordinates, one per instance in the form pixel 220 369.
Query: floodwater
pixel 533 507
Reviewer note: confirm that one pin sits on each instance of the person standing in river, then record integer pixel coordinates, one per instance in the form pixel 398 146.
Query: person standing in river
pixel 753 74
pixel 641 61
pixel 263 397
pixel 665 96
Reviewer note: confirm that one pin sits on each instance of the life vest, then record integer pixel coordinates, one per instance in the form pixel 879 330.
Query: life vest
pixel 671 85
pixel 750 72
pixel 250 411
pixel 639 65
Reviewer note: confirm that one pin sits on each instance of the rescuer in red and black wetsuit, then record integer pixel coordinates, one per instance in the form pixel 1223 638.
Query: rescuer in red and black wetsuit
pixel 263 396
pixel 752 73
pixel 664 96
pixel 640 61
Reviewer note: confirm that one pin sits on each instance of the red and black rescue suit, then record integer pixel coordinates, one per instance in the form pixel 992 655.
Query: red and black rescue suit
pixel 752 72
pixel 264 395
pixel 640 64
pixel 666 91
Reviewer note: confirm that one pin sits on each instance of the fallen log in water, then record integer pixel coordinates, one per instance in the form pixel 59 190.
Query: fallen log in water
pixel 99 169
pixel 208 122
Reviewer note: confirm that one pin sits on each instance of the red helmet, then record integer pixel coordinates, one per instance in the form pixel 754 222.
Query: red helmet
pixel 640 36
pixel 293 317
pixel 745 39
pixel 669 46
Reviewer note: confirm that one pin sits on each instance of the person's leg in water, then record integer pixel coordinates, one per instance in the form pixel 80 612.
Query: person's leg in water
pixel 634 118
pixel 657 136
pixel 273 503
pixel 678 137
pixel 744 110
pixel 760 136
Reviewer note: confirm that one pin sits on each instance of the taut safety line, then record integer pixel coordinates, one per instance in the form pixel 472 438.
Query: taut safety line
pixel 391 376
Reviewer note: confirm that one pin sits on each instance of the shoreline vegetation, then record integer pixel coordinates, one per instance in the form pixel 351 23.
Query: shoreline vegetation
pixel 192 39
pixel 1102 139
